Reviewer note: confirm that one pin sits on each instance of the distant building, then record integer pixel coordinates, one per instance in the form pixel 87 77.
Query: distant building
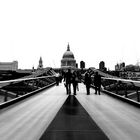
pixel 40 65
pixel 12 66
pixel 29 71
pixel 117 67
pixel 132 68
pixel 120 66
pixel 102 66
pixel 82 64
pixel 68 59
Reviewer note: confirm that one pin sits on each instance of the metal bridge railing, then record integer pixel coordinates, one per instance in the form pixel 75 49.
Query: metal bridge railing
pixel 19 87
pixel 126 88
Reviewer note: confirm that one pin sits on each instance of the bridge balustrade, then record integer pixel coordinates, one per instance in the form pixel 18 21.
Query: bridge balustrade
pixel 12 89
pixel 126 88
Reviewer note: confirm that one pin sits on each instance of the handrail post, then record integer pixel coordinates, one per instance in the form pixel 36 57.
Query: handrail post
pixel 109 84
pixel 5 97
pixel 117 87
pixel 126 96
pixel 33 83
pixel 17 94
pixel 103 84
pixel 37 83
pixel 137 92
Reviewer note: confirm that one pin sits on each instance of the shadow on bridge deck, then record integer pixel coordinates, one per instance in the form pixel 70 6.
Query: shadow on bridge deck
pixel 72 122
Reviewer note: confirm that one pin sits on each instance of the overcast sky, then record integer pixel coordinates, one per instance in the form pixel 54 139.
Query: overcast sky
pixel 96 30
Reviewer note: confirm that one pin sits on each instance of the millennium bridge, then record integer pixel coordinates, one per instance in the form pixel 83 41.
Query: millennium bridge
pixel 34 108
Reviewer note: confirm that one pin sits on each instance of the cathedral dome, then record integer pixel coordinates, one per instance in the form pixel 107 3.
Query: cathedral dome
pixel 68 59
pixel 68 53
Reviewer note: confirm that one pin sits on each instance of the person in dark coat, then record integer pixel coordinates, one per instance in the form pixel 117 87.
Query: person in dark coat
pixel 97 83
pixel 87 82
pixel 57 79
pixel 75 81
pixel 68 80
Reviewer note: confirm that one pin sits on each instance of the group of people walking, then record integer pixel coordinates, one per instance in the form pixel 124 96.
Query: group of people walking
pixel 96 82
pixel 73 78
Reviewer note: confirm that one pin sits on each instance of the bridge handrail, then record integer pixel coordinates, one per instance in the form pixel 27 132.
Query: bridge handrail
pixel 123 80
pixel 20 98
pixel 103 73
pixel 25 79
pixel 111 77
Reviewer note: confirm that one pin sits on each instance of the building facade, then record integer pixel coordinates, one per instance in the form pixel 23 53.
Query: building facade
pixel 11 66
pixel 82 64
pixel 102 66
pixel 120 67
pixel 68 60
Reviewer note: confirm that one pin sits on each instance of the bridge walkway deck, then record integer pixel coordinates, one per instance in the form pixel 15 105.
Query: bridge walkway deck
pixel 29 119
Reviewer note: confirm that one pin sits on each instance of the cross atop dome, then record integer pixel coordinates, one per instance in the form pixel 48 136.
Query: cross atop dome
pixel 68 47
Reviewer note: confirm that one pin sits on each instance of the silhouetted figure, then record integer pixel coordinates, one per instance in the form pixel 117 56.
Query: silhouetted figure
pixel 68 80
pixel 97 83
pixel 75 82
pixel 60 78
pixel 87 82
pixel 57 79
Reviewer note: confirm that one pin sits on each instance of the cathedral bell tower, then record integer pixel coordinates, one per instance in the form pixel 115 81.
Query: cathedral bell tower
pixel 40 66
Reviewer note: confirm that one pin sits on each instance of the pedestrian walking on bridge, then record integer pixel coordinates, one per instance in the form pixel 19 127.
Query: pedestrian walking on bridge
pixel 75 81
pixel 97 83
pixel 68 80
pixel 87 82
pixel 57 78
